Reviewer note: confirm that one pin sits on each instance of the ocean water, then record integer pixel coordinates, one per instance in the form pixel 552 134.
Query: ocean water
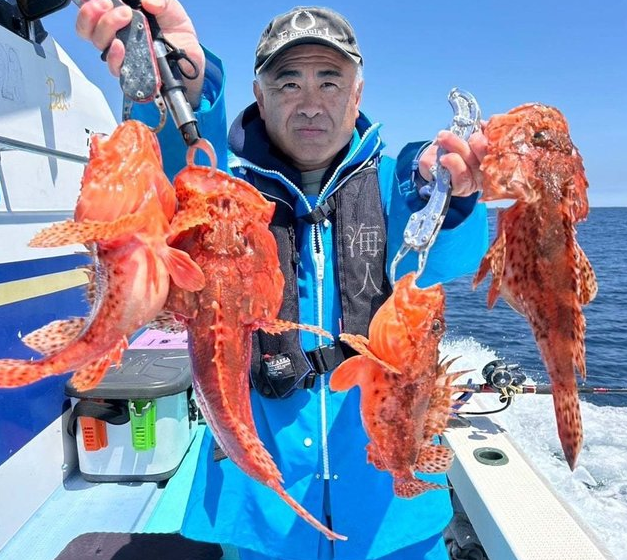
pixel 597 489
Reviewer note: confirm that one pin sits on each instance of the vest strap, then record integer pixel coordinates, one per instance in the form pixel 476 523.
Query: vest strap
pixel 325 359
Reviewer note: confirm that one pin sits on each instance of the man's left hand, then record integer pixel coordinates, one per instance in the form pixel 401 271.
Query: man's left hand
pixel 462 159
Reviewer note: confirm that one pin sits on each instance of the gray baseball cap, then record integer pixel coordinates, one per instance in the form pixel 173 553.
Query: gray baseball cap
pixel 306 24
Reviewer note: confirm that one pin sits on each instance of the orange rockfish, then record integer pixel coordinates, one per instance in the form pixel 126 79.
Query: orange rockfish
pixel 123 212
pixel 235 248
pixel 405 388
pixel 536 263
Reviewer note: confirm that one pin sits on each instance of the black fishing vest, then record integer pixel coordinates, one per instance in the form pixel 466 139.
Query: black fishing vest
pixel 360 239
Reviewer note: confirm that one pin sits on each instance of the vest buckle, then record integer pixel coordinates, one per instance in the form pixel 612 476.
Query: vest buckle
pixel 323 358
pixel 321 212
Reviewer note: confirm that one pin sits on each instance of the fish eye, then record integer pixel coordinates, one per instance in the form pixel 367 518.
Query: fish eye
pixel 436 327
pixel 540 138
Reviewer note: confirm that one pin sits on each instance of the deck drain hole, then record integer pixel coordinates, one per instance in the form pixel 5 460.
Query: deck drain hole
pixel 490 456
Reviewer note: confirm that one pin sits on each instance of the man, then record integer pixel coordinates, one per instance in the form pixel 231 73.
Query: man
pixel 341 208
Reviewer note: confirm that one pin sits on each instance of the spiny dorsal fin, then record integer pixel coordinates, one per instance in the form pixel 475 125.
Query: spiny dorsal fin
pixel 70 232
pixel 439 410
pixel 91 288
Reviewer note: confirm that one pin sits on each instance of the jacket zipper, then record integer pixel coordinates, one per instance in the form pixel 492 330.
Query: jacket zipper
pixel 319 263
pixel 326 470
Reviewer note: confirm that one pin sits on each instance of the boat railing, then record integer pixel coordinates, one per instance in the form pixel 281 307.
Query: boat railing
pixel 13 144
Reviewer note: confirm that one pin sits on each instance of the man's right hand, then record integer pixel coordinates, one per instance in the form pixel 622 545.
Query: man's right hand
pixel 98 21
pixel 463 160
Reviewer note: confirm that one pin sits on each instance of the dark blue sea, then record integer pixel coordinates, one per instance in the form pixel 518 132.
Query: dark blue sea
pixel 603 238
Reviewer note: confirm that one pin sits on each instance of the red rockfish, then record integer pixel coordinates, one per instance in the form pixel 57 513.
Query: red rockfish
pixel 405 388
pixel 233 245
pixel 123 212
pixel 536 263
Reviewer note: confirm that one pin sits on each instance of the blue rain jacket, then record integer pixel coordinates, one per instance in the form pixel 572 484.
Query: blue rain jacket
pixel 316 436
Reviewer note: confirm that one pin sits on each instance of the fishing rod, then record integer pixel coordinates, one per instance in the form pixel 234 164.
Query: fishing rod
pixel 507 380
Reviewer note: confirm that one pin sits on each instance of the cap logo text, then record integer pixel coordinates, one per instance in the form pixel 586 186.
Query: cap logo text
pixel 308 24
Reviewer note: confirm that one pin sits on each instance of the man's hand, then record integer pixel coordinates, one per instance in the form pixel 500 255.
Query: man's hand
pixel 98 21
pixel 462 160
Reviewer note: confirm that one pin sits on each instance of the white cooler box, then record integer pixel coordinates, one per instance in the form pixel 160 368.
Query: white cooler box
pixel 138 423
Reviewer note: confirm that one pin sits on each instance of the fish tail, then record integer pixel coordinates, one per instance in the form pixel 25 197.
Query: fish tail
pixel 568 416
pixel 300 510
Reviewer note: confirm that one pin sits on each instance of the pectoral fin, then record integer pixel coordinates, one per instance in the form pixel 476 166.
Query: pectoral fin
pixel 412 487
pixel 278 326
pixel 184 271
pixel 434 459
pixel 351 372
pixel 54 336
pixel 494 261
pixel 588 286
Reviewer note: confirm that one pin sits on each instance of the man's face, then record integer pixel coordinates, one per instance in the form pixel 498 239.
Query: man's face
pixel 309 99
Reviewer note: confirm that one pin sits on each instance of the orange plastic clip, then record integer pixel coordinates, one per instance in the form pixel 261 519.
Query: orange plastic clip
pixel 94 433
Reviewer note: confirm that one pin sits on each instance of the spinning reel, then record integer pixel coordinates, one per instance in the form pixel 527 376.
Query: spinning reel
pixel 506 379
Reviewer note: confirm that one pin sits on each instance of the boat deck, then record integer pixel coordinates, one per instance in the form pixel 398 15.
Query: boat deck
pixel 78 507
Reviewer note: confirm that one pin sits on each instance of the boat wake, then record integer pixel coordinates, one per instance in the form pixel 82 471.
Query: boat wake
pixel 597 489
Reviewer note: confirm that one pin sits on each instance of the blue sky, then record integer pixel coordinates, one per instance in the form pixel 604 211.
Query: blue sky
pixel 572 55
